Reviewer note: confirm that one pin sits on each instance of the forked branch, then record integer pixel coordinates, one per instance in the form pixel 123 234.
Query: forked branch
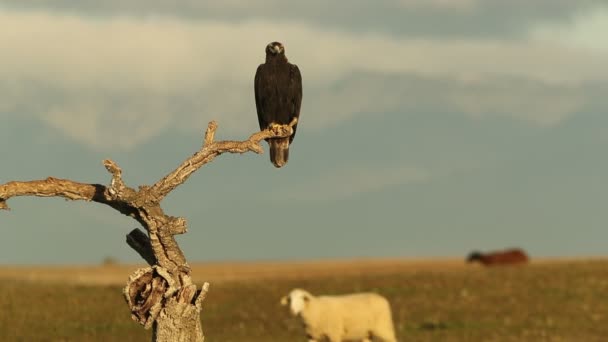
pixel 72 190
pixel 164 292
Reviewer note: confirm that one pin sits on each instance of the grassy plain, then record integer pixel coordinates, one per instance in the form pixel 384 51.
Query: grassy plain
pixel 434 300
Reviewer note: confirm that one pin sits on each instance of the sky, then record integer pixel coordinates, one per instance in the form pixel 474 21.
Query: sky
pixel 429 128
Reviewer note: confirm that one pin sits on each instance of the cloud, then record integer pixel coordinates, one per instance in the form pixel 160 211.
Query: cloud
pixel 535 102
pixel 440 4
pixel 586 31
pixel 160 53
pixel 413 18
pixel 352 180
pixel 115 82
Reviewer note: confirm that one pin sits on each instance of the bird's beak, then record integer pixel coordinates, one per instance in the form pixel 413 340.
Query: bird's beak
pixel 277 48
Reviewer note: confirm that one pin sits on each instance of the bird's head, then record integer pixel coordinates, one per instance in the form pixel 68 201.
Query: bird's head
pixel 275 49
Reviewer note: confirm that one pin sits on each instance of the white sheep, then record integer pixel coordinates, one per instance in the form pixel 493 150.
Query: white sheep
pixel 352 317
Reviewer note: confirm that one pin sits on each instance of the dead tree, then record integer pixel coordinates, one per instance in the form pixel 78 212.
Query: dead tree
pixel 162 296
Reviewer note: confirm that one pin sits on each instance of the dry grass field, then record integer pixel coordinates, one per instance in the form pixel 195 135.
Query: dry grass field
pixel 432 300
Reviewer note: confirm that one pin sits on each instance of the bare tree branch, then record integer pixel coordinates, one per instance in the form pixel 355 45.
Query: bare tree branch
pixel 117 186
pixel 117 191
pixel 164 292
pixel 50 187
pixel 212 149
pixel 140 242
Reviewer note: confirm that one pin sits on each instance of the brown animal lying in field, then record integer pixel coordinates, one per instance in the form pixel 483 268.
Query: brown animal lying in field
pixel 497 258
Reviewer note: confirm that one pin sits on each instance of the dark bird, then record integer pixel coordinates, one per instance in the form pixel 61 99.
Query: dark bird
pixel 278 97
pixel 506 257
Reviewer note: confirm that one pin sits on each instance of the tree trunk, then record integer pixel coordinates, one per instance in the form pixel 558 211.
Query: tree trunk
pixel 178 322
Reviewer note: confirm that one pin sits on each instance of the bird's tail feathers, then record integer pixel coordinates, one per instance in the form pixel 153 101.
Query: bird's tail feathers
pixel 279 151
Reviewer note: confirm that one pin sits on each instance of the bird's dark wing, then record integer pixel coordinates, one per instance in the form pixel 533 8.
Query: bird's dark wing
pixel 259 97
pixel 295 90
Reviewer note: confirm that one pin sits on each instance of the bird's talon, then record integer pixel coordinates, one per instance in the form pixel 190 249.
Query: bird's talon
pixel 275 128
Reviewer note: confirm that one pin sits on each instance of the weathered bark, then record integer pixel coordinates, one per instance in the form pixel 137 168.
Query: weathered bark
pixel 178 322
pixel 161 296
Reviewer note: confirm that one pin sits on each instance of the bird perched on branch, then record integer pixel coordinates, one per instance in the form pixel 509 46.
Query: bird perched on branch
pixel 278 97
